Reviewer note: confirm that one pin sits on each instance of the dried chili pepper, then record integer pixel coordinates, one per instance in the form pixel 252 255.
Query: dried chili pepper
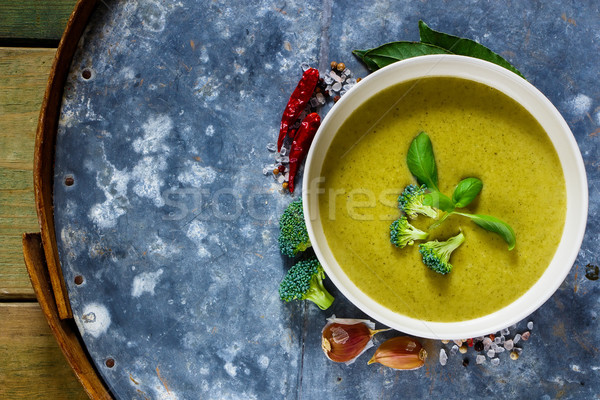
pixel 302 140
pixel 297 102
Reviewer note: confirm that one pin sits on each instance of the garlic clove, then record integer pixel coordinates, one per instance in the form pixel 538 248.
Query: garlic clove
pixel 400 352
pixel 343 340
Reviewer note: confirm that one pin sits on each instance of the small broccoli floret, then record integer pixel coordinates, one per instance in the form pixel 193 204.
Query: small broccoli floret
pixel 402 233
pixel 293 236
pixel 436 255
pixel 304 281
pixel 411 202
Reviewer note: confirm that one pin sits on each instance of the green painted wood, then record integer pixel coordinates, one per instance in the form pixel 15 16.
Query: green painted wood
pixel 34 19
pixel 23 76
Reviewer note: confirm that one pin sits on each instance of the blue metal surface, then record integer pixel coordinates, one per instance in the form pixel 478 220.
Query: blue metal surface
pixel 173 227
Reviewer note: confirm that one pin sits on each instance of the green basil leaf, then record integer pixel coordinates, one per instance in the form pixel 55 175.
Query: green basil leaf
pixel 462 46
pixel 389 53
pixel 438 200
pixel 421 161
pixel 466 191
pixel 495 225
pixel 371 65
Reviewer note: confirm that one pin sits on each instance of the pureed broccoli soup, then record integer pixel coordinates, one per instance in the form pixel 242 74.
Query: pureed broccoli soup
pixel 476 131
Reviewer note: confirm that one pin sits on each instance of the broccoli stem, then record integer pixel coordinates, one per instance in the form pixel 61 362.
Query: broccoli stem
pixel 318 294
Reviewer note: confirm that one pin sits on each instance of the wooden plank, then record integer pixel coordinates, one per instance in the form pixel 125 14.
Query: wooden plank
pixel 34 19
pixel 32 366
pixel 23 77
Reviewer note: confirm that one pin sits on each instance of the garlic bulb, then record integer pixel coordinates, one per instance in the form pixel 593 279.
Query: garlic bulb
pixel 343 340
pixel 401 352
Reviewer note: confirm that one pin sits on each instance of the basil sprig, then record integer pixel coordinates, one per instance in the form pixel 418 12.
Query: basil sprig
pixel 421 163
pixel 493 224
pixel 432 42
pixel 466 191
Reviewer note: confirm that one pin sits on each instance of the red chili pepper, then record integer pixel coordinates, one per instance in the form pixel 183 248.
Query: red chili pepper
pixel 297 102
pixel 301 144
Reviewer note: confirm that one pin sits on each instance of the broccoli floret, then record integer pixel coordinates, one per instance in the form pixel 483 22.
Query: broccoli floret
pixel 293 236
pixel 411 202
pixel 436 255
pixel 304 281
pixel 402 233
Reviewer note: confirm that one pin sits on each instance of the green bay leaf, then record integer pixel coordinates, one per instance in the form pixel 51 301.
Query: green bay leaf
pixel 463 46
pixel 389 53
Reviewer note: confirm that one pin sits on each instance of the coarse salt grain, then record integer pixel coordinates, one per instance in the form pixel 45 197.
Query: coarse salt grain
pixel 497 340
pixel 443 357
pixel 272 147
pixel 454 349
pixel 491 353
pixel 337 87
pixel 335 76
pixel 530 325
pixel 505 331
pixel 508 345
pixel 480 359
pixel 517 338
pixel 495 361
pixel 499 349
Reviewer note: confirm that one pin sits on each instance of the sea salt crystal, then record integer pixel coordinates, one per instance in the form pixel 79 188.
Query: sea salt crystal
pixel 443 357
pixel 491 353
pixel 508 345
pixel 530 325
pixel 314 102
pixel 505 332
pixel 328 80
pixel 497 340
pixel 494 346
pixel 286 176
pixel 337 87
pixel 517 338
pixel 272 147
pixel 495 361
pixel 280 178
pixel 454 349
pixel 268 169
pixel 320 98
pixel 283 151
pixel 335 76
pixel 517 350
pixel 480 359
pixel 304 66
pixel 347 72
pixel 282 159
pixel 499 349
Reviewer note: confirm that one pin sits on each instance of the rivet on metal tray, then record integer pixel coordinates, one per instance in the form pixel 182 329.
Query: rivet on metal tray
pixel 109 362
pixel 78 280
pixel 69 180
pixel 86 74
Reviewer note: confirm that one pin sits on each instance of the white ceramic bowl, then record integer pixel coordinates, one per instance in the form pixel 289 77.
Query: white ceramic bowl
pixel 550 119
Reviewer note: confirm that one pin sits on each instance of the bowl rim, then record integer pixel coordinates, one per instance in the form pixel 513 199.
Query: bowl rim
pixel 536 104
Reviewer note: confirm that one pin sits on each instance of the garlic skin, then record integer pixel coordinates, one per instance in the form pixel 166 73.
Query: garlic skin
pixel 343 340
pixel 401 352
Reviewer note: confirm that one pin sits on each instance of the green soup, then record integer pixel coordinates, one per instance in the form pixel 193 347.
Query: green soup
pixel 476 131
